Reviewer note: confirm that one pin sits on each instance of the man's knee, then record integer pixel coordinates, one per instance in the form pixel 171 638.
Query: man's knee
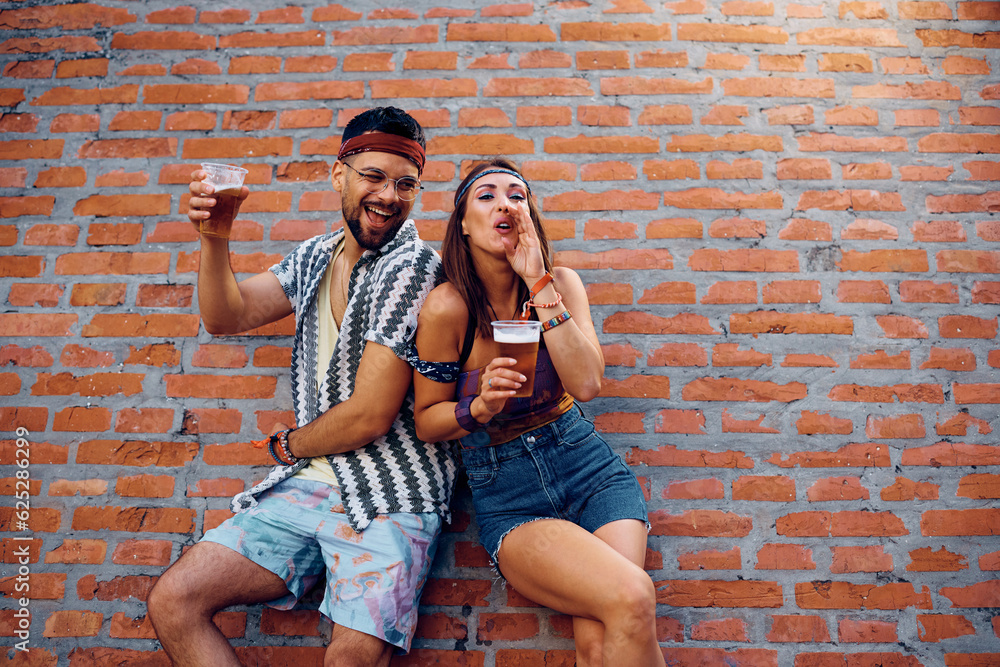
pixel 355 649
pixel 165 602
pixel 174 596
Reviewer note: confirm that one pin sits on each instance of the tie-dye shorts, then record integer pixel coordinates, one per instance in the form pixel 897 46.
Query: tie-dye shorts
pixel 299 531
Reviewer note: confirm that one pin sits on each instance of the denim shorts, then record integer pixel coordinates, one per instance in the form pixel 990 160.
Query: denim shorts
pixel 298 530
pixel 563 470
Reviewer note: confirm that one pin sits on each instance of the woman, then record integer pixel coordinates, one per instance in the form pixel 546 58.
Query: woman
pixel 560 514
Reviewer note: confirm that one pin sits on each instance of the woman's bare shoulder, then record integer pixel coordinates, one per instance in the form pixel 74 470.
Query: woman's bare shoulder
pixel 444 304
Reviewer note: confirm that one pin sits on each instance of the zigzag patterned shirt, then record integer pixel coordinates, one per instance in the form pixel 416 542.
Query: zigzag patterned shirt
pixel 397 472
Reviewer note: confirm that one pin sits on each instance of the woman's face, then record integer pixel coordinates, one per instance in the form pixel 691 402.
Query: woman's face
pixel 490 208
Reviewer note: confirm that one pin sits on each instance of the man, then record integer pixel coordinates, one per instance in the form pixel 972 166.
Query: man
pixel 355 495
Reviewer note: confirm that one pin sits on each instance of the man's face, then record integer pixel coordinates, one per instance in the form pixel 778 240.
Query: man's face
pixel 373 218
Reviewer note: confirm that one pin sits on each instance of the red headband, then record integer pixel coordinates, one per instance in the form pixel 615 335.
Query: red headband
pixel 384 143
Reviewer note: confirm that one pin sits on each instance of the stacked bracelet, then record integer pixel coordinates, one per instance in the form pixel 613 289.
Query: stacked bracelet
pixel 556 321
pixel 532 304
pixel 540 285
pixel 463 414
pixel 277 446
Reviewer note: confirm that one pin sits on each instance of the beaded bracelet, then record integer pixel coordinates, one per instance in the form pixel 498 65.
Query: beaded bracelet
pixel 556 321
pixel 532 304
pixel 463 414
pixel 277 446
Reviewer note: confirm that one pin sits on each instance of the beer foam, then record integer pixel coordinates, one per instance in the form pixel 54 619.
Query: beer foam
pixel 520 335
pixel 228 190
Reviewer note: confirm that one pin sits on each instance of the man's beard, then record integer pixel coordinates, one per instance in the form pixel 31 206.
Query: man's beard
pixel 367 238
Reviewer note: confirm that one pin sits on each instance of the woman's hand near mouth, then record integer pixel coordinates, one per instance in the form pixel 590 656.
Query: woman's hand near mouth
pixel 524 253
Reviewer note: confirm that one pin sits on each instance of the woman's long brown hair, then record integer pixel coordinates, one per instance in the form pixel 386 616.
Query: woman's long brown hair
pixel 457 258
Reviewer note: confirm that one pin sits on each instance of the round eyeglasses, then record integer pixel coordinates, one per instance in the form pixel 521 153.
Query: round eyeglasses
pixel 376 181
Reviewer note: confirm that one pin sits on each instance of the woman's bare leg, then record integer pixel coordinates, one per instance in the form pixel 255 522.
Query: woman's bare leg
pixel 627 537
pixel 562 566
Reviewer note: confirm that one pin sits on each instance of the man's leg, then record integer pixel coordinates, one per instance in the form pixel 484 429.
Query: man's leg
pixel 350 648
pixel 374 579
pixel 206 579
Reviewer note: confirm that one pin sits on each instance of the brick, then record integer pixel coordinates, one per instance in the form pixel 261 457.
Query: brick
pixel 837 488
pixel 703 523
pixel 737 228
pixel 157 325
pixel 216 488
pixel 31 418
pixel 727 594
pixel 950 454
pixel 863 631
pixel 935 627
pixel 898 326
pixel 731 291
pixel 24 294
pixel 667 293
pixel 73 623
pixel 854 454
pixel 785 557
pixel 734 389
pixel 145 486
pixel 78 551
pixel 451 592
pixel 843 595
pixel 904 393
pixel 726 629
pixel 760 488
pixel 136 453
pixel 680 421
pixel 960 424
pixel 210 420
pixel 846 560
pixel 142 552
pixel 859 200
pixel 26 123
pixel 800 229
pixel 808 360
pixel 791 323
pixel 960 522
pixel 981 594
pixel 928 560
pixel 41 519
pixel 679 354
pixel 695 489
pixel 134 519
pixel 801 629
pixel 745 260
pixel 814 423
pixel 509 626
pixel 730 424
pixel 979 486
pixel 976 393
pixel 30 324
pixel 966 326
pixel 87 487
pixel 903 426
pixel 925 291
pixel 881 360
pixel 81 419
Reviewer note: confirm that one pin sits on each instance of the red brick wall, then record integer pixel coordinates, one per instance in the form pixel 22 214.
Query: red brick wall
pixel 786 215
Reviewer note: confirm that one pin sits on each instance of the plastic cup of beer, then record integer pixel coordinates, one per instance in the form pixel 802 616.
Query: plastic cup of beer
pixel 518 339
pixel 228 182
